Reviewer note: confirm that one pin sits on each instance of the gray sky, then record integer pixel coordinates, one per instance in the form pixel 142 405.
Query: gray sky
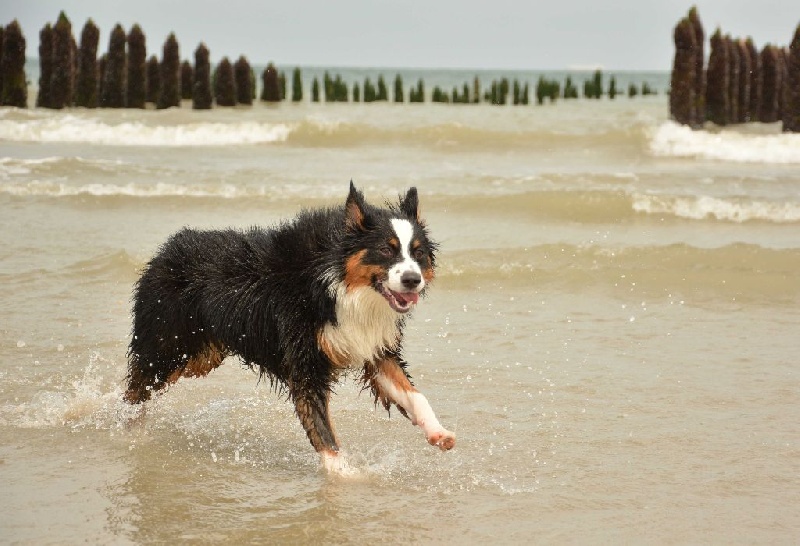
pixel 551 35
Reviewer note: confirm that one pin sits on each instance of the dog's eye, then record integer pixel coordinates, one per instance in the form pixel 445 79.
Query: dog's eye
pixel 419 254
pixel 386 251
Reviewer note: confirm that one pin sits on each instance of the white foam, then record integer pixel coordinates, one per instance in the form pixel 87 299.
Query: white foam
pixel 673 140
pixel 701 207
pixel 160 189
pixel 76 129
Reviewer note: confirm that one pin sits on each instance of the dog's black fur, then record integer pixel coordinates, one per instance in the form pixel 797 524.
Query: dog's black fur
pixel 266 296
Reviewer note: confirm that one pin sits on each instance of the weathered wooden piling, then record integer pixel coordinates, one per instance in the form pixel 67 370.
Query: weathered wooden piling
pixel 86 84
pixel 113 85
pixel 420 93
pixel 170 74
pixel 398 89
pixel 225 84
pixel 772 85
pixel 63 76
pixel 782 55
pixel 369 91
pixel 570 91
pixel 201 88
pixel 756 81
pixel 153 80
pixel 242 74
pixel 187 80
pixel 383 92
pixel 271 91
pixel 791 107
pixel 297 85
pixel 2 31
pixel 14 89
pixel 699 67
pixel 733 80
pixel 45 66
pixel 137 68
pixel 743 91
pixel 718 81
pixel 682 99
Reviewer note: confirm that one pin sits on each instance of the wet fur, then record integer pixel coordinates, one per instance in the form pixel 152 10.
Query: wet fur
pixel 298 303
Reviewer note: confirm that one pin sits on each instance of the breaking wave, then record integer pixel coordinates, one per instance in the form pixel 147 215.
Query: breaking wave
pixel 81 130
pixel 729 209
pixel 673 140
pixel 581 206
pixel 183 129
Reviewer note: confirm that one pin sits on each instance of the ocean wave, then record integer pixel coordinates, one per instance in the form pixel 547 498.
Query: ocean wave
pixel 613 205
pixel 11 167
pixel 673 140
pixel 180 129
pixel 84 130
pixel 729 209
pixel 116 266
pixel 136 190
pixel 740 272
pixel 618 204
pixel 453 135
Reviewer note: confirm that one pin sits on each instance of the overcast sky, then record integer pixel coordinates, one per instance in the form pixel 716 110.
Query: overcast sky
pixel 527 34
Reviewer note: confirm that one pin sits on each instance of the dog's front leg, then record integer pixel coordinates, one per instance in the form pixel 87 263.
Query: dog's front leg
pixel 390 383
pixel 312 409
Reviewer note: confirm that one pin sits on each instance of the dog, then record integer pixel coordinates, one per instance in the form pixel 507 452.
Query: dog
pixel 302 304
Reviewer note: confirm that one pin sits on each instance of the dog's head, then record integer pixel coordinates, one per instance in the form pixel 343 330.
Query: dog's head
pixel 389 249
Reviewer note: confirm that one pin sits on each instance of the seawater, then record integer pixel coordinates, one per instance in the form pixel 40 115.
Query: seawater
pixel 612 333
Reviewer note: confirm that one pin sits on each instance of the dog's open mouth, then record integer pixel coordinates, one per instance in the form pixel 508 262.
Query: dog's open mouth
pixel 402 302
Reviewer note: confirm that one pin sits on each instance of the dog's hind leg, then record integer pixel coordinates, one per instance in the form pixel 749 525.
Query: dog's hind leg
pixel 148 375
pixel 201 363
pixel 389 383
pixel 139 382
pixel 144 381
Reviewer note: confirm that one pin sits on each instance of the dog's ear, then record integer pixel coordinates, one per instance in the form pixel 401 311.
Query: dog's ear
pixel 354 209
pixel 410 204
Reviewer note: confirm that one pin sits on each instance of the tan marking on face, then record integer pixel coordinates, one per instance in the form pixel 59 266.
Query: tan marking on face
pixel 427 272
pixel 357 274
pixel 427 268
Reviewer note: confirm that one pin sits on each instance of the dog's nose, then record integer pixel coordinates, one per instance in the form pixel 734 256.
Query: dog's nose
pixel 411 279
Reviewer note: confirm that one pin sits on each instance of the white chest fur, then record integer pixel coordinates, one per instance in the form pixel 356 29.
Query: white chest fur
pixel 367 325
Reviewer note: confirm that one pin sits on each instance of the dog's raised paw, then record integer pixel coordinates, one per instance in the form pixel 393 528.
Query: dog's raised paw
pixel 444 440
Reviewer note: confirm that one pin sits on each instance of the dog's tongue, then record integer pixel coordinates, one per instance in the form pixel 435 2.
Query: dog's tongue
pixel 406 297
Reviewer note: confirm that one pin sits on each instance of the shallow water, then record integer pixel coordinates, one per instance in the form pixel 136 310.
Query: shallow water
pixel 612 334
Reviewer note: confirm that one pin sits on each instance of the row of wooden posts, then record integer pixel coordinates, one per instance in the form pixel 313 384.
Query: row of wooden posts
pixel 72 75
pixel 739 84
